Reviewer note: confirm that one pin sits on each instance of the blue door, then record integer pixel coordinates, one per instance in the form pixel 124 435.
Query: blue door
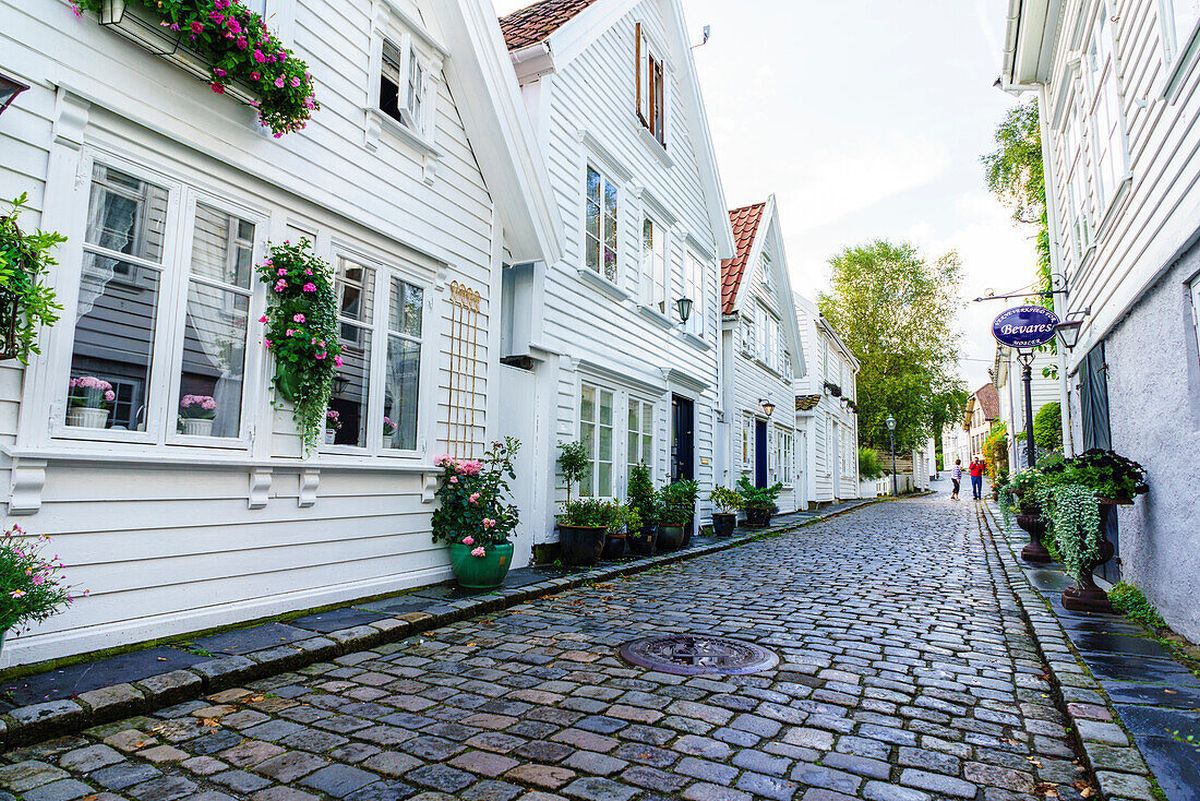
pixel 760 453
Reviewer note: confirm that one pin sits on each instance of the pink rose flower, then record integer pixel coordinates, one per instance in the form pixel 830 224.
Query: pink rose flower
pixel 218 88
pixel 453 479
pixel 489 522
pixel 281 271
pixel 279 82
pixel 280 285
pixel 258 56
pixel 320 356
pixel 337 361
pixel 479 553
pixel 474 498
pixel 197 27
pixel 468 540
pixel 256 75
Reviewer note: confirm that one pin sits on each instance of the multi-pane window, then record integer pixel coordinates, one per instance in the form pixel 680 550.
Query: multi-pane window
pixel 785 360
pixel 1179 21
pixel 403 85
pixel 596 433
pixel 600 226
pixel 403 370
pixel 694 288
pixel 748 335
pixel 640 433
pixel 747 439
pixel 786 451
pixel 650 87
pixel 768 274
pixel 767 345
pixel 218 308
pixel 1078 194
pixel 1108 149
pixel 119 298
pixel 654 265
pixel 352 387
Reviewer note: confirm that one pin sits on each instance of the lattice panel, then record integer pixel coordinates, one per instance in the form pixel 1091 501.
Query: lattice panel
pixel 462 432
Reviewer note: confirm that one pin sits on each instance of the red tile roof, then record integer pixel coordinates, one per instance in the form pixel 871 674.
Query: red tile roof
pixel 535 22
pixel 745 227
pixel 989 400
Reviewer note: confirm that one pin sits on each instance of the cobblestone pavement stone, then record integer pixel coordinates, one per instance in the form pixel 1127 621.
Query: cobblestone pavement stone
pixel 906 674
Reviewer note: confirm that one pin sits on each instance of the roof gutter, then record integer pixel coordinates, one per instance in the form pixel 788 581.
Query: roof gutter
pixel 532 62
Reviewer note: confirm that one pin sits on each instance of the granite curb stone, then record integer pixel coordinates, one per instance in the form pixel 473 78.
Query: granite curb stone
pixel 29 724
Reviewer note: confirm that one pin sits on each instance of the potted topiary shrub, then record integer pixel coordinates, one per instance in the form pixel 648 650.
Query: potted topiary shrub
pixel 1081 493
pixel 759 502
pixel 475 515
pixel 643 500
pixel 1025 490
pixel 730 503
pixel 677 508
pixel 583 529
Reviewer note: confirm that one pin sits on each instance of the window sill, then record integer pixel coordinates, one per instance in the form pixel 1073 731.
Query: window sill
pixel 1120 195
pixel 191 456
pixel 378 123
pixel 698 342
pixel 603 284
pixel 656 317
pixel 647 138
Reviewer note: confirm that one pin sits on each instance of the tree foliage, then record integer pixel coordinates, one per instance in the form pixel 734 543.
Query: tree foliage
pixel 1047 427
pixel 895 311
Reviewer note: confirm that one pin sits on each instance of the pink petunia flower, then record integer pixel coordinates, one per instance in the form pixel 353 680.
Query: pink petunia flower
pixel 263 319
pixel 337 361
pixel 310 287
pixel 197 27
pixel 279 81
pixel 297 318
pixel 218 88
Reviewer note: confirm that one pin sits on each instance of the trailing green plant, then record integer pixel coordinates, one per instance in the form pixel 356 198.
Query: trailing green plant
pixel 1129 600
pixel 727 500
pixel 475 500
pixel 640 494
pixel 1108 474
pixel 239 48
pixel 1074 513
pixel 1047 427
pixel 870 464
pixel 758 497
pixel 31 586
pixel 678 502
pixel 573 462
pixel 596 513
pixel 302 332
pixel 1026 489
pixel 26 303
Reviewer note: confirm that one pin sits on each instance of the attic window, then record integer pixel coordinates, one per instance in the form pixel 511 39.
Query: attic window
pixel 403 86
pixel 649 75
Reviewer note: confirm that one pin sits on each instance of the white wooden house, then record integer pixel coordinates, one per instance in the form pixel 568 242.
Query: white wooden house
pixel 613 93
pixel 169 193
pixel 1118 87
pixel 760 358
pixel 826 414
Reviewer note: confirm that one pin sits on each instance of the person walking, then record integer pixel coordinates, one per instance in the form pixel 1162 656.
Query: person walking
pixel 956 478
pixel 976 469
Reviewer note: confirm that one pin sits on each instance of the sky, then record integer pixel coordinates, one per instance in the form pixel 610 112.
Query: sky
pixel 866 119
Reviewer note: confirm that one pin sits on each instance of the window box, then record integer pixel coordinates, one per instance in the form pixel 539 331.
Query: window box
pixel 141 26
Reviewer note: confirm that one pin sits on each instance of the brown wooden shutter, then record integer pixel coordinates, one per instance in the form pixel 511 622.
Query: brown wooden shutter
pixel 637 67
pixel 659 128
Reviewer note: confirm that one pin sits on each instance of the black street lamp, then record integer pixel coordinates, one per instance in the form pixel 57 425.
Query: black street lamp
pixel 891 425
pixel 1068 332
pixel 1025 357
pixel 684 307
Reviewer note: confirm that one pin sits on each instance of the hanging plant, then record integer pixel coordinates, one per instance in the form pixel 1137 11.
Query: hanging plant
pixel 1075 515
pixel 302 333
pixel 26 304
pixel 241 49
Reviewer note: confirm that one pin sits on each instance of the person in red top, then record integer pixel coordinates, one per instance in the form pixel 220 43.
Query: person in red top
pixel 976 469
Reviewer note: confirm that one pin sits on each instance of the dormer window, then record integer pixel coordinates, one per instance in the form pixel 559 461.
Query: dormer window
pixel 651 87
pixel 402 86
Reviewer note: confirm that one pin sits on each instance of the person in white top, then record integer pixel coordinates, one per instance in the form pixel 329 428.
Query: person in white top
pixel 956 478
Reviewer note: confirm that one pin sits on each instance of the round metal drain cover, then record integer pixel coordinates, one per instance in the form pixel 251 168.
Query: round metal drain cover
pixel 690 655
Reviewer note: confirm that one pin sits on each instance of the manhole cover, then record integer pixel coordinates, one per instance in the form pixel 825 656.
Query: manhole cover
pixel 689 655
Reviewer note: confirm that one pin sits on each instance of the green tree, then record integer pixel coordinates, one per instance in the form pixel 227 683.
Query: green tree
pixel 1014 173
pixel 1047 427
pixel 895 311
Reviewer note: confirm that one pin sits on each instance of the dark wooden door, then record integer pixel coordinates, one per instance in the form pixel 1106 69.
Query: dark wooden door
pixel 683 438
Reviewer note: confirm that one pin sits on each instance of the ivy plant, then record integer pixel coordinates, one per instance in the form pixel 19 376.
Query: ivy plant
pixel 302 332
pixel 26 303
pixel 1074 513
pixel 241 49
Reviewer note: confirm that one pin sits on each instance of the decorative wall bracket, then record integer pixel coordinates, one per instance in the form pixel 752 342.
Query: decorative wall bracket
pixel 27 480
pixel 310 480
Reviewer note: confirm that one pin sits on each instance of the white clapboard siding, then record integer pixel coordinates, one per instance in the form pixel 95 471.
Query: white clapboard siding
pixel 594 94
pixel 167 548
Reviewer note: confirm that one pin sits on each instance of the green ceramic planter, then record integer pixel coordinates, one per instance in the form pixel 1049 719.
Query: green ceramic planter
pixel 480 573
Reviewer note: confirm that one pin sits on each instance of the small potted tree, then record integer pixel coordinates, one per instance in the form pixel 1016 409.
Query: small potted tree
pixel 1081 493
pixel 643 500
pixel 730 503
pixel 759 502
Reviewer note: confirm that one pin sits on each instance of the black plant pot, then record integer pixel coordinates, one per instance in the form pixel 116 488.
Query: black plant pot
pixel 758 517
pixel 688 528
pixel 642 543
pixel 579 545
pixel 724 524
pixel 614 547
pixel 671 538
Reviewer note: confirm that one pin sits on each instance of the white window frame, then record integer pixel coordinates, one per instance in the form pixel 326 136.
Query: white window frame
pixel 166 358
pixel 382 272
pixel 418 49
pixel 1106 119
pixel 768 275
pixel 786 445
pixel 766 346
pixel 748 420
pixel 605 180
pixel 593 491
pixel 1178 44
pixel 748 332
pixel 655 265
pixel 644 453
pixel 695 287
pixel 646 58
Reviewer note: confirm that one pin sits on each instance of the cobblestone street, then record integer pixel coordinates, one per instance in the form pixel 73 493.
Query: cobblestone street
pixel 906 673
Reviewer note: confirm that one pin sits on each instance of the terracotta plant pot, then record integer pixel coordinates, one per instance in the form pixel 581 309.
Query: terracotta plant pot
pixel 581 545
pixel 670 538
pixel 480 572
pixel 614 547
pixel 1034 525
pixel 642 543
pixel 724 523
pixel 757 517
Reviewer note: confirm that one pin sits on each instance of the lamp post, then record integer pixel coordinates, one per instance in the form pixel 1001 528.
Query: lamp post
pixel 891 425
pixel 1025 357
